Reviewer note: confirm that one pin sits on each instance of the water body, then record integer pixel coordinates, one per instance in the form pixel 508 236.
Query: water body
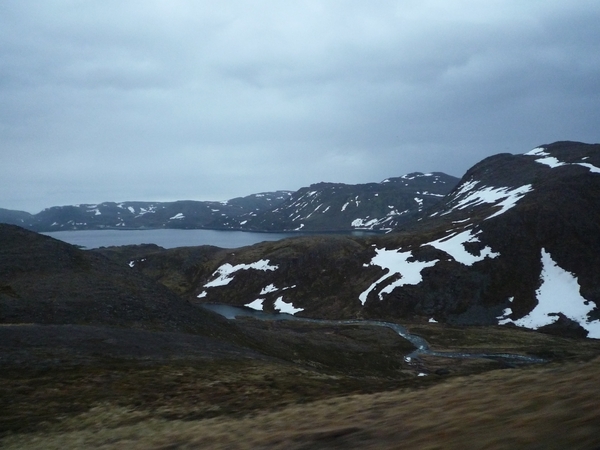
pixel 422 346
pixel 170 238
pixel 166 238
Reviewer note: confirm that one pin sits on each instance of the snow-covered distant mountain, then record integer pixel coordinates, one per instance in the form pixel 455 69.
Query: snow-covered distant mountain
pixel 343 207
pixel 128 215
pixel 320 207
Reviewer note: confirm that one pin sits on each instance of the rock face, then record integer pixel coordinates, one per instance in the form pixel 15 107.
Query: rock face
pixel 320 207
pixel 516 242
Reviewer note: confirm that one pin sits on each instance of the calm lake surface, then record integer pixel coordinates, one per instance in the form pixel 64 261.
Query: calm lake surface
pixel 165 238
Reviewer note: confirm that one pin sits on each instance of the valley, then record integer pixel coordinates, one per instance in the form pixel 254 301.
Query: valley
pixel 117 347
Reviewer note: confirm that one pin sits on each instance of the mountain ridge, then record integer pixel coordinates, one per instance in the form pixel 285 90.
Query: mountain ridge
pixel 486 255
pixel 341 207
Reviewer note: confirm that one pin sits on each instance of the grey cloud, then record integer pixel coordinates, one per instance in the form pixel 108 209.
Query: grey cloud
pixel 207 100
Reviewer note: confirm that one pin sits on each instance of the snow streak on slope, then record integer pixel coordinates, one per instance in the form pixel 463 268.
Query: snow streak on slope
pixel 396 262
pixel 224 273
pixel 559 293
pixel 503 197
pixel 553 162
pixel 454 246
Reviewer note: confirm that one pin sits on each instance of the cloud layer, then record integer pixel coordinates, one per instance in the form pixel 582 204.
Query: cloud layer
pixel 183 99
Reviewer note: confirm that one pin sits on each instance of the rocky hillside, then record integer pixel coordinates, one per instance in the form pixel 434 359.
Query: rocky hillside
pixel 46 281
pixel 179 214
pixel 343 207
pixel 516 242
pixel 320 207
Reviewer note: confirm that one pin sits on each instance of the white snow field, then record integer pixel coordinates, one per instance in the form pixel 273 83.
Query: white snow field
pixel 453 245
pixel 558 293
pixel 504 197
pixel 284 307
pixel 224 274
pixel 397 263
pixel 256 304
pixel 553 162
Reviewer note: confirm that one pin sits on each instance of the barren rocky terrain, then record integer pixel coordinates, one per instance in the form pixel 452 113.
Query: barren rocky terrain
pixel 115 348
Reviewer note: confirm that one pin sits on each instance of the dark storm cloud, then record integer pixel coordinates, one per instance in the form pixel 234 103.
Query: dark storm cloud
pixel 165 100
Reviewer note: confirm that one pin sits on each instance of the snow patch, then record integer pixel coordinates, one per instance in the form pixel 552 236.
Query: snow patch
pixel 504 197
pixel 268 289
pixel 550 161
pixel 538 151
pixel 396 262
pixel 558 293
pixel 287 308
pixel 592 168
pixel 202 294
pixel 453 245
pixel 363 223
pixel 256 304
pixel 177 216
pixel 224 273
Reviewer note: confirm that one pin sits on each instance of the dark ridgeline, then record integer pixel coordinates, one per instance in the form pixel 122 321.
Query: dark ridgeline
pixel 319 207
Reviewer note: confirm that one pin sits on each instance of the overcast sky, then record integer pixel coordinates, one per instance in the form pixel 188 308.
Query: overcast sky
pixel 114 100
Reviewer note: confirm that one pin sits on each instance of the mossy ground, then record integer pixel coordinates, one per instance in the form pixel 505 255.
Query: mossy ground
pixel 330 370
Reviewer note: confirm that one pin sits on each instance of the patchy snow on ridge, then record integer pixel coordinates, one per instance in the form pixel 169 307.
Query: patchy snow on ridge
pixel 224 273
pixel 364 223
pixel 538 151
pixel 553 162
pixel 284 307
pixel 268 289
pixel 256 304
pixel 177 216
pixel 504 197
pixel 592 168
pixel 453 245
pixel 559 293
pixel 395 262
pixel 550 161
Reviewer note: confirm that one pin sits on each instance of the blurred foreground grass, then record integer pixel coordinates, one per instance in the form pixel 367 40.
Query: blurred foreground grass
pixel 315 387
pixel 547 407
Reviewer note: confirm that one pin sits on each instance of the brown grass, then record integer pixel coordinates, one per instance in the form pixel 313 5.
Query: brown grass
pixel 544 407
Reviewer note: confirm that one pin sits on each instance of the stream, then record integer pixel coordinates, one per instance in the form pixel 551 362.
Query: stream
pixel 422 346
